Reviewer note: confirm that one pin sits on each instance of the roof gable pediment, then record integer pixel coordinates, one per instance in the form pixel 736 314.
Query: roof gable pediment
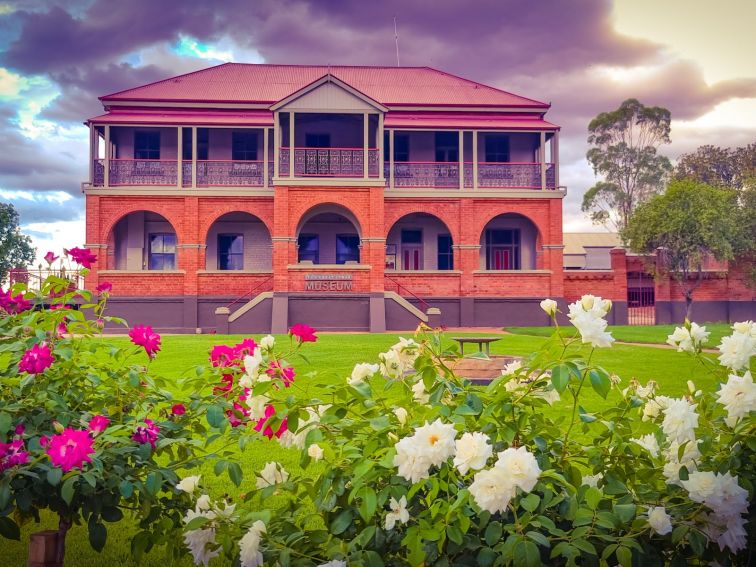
pixel 329 94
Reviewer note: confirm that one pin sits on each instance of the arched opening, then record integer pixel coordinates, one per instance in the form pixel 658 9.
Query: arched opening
pixel 419 241
pixel 144 240
pixel 508 242
pixel 328 234
pixel 238 241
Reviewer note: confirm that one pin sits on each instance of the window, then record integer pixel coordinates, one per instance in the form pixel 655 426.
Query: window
pixel 445 254
pixel 447 146
pixel 347 248
pixel 412 236
pixel 162 252
pixel 202 144
pixel 401 147
pixel 309 248
pixel 230 252
pixel 502 249
pixel 497 148
pixel 412 249
pixel 244 146
pixel 146 145
pixel 318 140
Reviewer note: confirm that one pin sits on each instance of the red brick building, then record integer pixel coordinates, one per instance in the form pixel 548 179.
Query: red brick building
pixel 247 198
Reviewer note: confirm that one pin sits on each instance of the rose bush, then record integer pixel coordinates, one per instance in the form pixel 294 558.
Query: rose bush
pixel 87 430
pixel 406 463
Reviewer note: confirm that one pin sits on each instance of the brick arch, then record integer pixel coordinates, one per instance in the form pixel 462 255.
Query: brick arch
pixel 537 245
pixel 516 212
pixel 448 216
pixel 166 211
pixel 204 228
pixel 327 207
pixel 158 210
pixel 209 212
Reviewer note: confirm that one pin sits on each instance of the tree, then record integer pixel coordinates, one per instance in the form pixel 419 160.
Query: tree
pixel 16 250
pixel 623 151
pixel 722 167
pixel 689 223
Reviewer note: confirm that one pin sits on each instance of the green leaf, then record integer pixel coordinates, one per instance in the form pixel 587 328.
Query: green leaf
pixel 67 490
pixel 5 423
pixel 625 557
pixel 9 529
pixel 530 502
pixel 625 512
pixel 539 538
pixel 586 417
pixel 493 533
pixel 235 473
pixel 455 535
pixel 593 497
pixel 154 482
pixel 601 383
pixel 215 416
pixel 112 514
pixel 341 522
pixel 368 503
pixel 98 534
pixel 560 377
pixel 526 554
pixel 196 523
pixel 126 488
pixel 54 475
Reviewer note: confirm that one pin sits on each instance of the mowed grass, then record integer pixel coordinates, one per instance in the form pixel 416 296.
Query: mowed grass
pixel 333 357
pixel 651 334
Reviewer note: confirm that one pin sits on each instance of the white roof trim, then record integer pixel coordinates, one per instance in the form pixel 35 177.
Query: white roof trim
pixel 281 104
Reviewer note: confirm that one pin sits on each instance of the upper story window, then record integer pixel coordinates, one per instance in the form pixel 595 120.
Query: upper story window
pixel 146 145
pixel 202 144
pixel 244 145
pixel 447 146
pixel 401 147
pixel 497 148
pixel 318 140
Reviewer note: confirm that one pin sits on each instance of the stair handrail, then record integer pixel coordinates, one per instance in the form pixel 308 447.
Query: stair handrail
pixel 250 292
pixel 400 287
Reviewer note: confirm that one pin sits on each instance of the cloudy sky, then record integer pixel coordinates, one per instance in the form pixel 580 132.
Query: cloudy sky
pixel 694 57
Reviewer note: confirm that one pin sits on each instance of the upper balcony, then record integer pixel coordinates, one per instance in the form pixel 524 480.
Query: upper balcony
pixel 318 148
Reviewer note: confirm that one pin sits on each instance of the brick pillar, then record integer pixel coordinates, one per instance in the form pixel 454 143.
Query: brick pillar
pixel 467 260
pixel 284 252
pixel 374 253
pixel 190 244
pixel 554 254
pixel 93 236
pixel 619 298
pixel 662 292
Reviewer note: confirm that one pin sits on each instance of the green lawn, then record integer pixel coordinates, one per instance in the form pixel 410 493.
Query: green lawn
pixel 632 333
pixel 333 356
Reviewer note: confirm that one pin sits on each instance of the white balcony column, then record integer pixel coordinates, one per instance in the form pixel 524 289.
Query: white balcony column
pixel 265 158
pixel 379 139
pixel 276 144
pixel 291 145
pixel 542 158
pixel 555 157
pixel 180 157
pixel 194 157
pixel 365 143
pixel 391 159
pixel 475 159
pixel 92 152
pixel 106 173
pixel 461 159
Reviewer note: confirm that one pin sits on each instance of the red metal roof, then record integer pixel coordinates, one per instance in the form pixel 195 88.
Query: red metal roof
pixel 391 86
pixel 469 120
pixel 187 117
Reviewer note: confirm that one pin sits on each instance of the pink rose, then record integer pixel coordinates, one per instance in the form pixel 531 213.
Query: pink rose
pixel 303 333
pixel 70 449
pixel 36 360
pixel 81 256
pixel 98 424
pixel 143 336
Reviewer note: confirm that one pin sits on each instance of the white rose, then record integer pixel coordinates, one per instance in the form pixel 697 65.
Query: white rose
pixel 412 463
pixel 391 364
pixel 736 350
pixel 649 443
pixel 659 520
pixel 398 513
pixel 492 489
pixel 272 474
pixel 436 441
pixel 315 451
pixel 267 342
pixel 334 563
pixel 680 420
pixel 738 397
pixel 249 546
pixel 520 466
pixel 361 372
pixel 549 306
pixel 472 452
pixel 511 368
pixel 592 479
pixel 401 415
pixel 257 405
pixel 418 390
pixel 189 484
pixel 203 503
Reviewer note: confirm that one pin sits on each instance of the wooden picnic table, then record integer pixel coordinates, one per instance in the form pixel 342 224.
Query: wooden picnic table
pixel 480 341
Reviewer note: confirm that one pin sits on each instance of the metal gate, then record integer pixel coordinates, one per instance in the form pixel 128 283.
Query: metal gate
pixel 640 299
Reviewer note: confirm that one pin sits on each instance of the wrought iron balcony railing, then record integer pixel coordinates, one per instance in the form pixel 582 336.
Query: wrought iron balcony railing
pixel 328 162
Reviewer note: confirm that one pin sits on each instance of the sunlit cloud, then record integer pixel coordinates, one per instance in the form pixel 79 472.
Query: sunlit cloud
pixel 225 50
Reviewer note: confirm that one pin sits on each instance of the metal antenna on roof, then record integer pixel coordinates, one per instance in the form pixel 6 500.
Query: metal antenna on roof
pixel 396 40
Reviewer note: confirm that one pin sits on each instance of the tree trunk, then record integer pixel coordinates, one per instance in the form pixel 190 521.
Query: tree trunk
pixel 47 548
pixel 688 306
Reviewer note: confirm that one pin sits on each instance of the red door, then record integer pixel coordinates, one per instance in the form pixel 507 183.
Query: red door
pixel 500 259
pixel 412 257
